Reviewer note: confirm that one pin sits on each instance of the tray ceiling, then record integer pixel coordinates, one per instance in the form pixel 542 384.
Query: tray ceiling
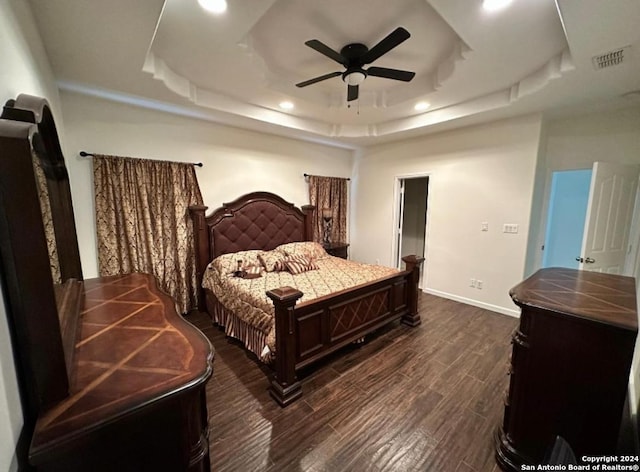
pixel 239 66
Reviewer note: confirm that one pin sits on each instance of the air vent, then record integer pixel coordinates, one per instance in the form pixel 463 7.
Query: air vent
pixel 611 58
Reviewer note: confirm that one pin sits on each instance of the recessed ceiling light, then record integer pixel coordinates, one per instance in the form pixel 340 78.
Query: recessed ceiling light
pixel 421 106
pixel 286 105
pixel 214 6
pixel 491 5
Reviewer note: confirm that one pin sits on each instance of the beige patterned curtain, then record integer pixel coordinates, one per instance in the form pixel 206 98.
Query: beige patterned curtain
pixel 143 223
pixel 329 193
pixel 47 218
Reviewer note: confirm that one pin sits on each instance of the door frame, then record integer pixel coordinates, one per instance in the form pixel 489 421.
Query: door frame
pixel 396 221
pixel 632 263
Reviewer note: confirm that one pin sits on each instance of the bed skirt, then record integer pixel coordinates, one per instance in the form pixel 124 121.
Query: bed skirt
pixel 253 339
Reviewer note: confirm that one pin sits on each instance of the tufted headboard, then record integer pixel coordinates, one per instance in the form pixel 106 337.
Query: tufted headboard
pixel 258 220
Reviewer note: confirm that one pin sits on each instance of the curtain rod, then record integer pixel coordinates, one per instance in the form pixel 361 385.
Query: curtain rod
pixel 88 154
pixel 309 175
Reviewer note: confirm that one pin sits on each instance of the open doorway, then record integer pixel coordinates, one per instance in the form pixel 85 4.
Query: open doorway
pixel 565 220
pixel 411 224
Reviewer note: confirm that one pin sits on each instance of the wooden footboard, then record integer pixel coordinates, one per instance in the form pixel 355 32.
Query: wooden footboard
pixel 310 331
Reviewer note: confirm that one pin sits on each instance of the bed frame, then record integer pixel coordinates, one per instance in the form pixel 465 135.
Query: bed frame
pixel 309 331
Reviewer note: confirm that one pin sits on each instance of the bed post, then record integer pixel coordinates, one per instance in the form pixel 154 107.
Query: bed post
pixel 201 249
pixel 285 387
pixel 412 318
pixel 308 211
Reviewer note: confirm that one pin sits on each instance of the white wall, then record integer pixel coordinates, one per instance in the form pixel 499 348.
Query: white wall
pixel 235 161
pixel 477 174
pixel 538 208
pixel 25 69
pixel 577 143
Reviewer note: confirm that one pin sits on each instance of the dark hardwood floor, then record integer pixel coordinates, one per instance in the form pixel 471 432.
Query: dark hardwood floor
pixel 425 398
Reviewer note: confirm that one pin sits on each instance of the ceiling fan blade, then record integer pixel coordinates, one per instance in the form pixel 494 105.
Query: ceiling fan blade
pixel 318 79
pixel 394 74
pixel 327 51
pixel 394 38
pixel 352 93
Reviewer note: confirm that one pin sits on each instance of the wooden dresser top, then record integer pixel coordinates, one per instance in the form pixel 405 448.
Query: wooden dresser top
pixel 605 298
pixel 132 350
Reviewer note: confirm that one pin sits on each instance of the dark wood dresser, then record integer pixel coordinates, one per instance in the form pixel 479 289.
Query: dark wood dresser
pixel 570 365
pixel 111 378
pixel 137 393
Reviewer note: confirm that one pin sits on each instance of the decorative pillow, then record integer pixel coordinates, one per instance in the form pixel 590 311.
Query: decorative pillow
pixel 228 263
pixel 253 269
pixel 272 260
pixel 309 249
pixel 299 264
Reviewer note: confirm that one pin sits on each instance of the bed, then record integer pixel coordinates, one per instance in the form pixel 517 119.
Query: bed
pixel 303 328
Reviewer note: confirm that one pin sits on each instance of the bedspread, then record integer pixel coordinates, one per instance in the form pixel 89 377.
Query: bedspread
pixel 247 298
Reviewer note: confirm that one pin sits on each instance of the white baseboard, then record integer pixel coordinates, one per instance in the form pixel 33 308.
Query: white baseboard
pixel 469 301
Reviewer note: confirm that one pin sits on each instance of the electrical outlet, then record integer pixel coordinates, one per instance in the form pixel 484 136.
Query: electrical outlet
pixel 479 284
pixel 472 283
pixel 377 261
pixel 510 228
pixel 484 226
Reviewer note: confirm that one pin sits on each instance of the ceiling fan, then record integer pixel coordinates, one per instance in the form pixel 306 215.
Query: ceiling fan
pixel 355 56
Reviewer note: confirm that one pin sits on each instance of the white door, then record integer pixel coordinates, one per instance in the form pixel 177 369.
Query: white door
pixel 609 212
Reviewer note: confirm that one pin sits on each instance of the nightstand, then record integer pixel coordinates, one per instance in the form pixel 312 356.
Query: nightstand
pixel 336 249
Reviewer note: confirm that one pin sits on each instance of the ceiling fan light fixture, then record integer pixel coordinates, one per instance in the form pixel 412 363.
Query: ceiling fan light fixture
pixel 492 5
pixel 214 6
pixel 355 77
